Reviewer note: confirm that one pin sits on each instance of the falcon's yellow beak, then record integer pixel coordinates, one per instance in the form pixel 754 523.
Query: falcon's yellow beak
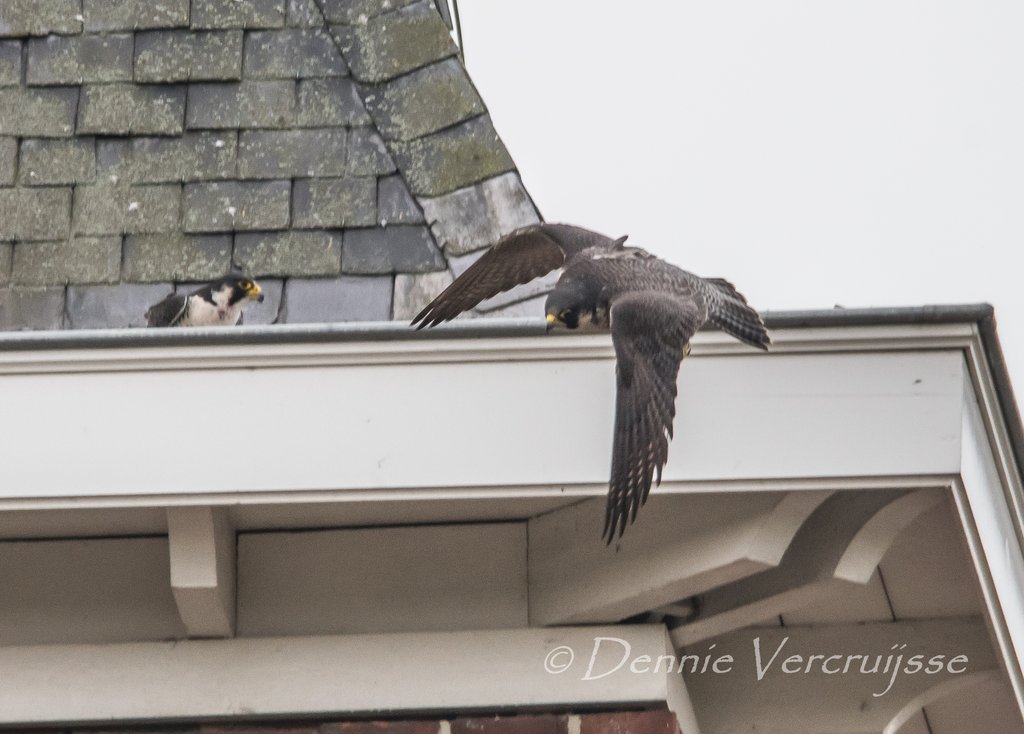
pixel 552 319
pixel 255 292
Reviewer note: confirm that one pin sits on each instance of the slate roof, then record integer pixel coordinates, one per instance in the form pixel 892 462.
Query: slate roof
pixel 335 149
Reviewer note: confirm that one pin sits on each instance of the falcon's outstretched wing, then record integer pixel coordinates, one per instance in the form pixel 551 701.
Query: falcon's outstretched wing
pixel 649 332
pixel 168 312
pixel 517 258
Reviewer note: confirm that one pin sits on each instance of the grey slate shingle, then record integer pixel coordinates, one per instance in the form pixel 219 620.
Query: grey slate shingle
pixel 82 260
pixel 42 213
pixel 130 109
pixel 413 291
pixel 367 153
pixel 236 205
pixel 8 160
pixel 389 45
pixel 10 63
pixel 58 60
pixel 407 249
pixel 288 253
pixel 57 161
pixel 528 308
pixel 472 218
pixel 326 102
pixel 39 17
pixel 453 158
pixel 334 202
pixel 246 104
pixel 31 308
pixel 348 298
pixel 352 11
pixel 425 101
pixel 178 56
pixel 120 208
pixel 42 113
pixel 195 156
pixel 395 203
pixel 130 15
pixel 291 153
pixel 150 258
pixel 6 250
pixel 235 14
pixel 292 53
pixel 303 14
pixel 112 306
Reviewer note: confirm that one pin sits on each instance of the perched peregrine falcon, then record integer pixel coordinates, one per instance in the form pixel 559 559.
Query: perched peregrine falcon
pixel 216 304
pixel 652 309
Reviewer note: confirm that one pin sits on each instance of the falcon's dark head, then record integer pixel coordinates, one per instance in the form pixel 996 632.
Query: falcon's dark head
pixel 241 288
pixel 572 304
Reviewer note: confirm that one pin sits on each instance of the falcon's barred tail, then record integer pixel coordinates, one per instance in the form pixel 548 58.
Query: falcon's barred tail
pixel 731 314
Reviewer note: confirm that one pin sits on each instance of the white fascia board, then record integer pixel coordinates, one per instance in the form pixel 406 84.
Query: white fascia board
pixel 346 675
pixel 461 418
pixel 988 493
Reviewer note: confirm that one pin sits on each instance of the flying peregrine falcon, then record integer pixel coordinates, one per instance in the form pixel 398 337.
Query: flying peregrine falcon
pixel 217 304
pixel 652 309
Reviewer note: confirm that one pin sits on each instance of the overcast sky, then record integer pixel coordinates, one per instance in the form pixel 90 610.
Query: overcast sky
pixel 814 152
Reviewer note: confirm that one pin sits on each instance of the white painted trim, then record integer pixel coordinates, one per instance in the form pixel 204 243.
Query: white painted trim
pixel 1000 586
pixel 873 540
pixel 688 544
pixel 1011 476
pixel 841 543
pixel 202 550
pixel 937 693
pixel 406 352
pixel 340 676
pixel 580 490
pixel 989 497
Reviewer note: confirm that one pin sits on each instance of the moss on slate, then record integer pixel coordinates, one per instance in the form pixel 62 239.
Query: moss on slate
pixel 425 101
pixel 440 163
pixel 384 47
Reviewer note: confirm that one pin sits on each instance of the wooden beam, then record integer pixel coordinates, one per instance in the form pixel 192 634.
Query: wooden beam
pixel 346 675
pixel 202 547
pixel 841 542
pixel 797 695
pixel 680 546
